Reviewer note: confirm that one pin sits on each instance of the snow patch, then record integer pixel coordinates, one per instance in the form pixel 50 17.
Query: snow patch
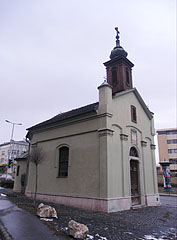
pixel 89 237
pixel 47 219
pixel 100 237
pixel 150 237
pixel 128 233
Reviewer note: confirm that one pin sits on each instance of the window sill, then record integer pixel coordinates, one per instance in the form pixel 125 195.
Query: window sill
pixel 134 121
pixel 62 177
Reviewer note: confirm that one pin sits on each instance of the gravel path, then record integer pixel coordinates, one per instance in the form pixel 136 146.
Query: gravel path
pixel 144 223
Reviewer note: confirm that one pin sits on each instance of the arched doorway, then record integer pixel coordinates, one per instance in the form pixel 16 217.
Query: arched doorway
pixel 134 176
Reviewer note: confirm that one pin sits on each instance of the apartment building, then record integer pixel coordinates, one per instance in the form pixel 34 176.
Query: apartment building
pixel 167 142
pixel 11 150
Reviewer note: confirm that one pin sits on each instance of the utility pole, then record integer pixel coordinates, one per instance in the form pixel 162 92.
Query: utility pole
pixel 11 142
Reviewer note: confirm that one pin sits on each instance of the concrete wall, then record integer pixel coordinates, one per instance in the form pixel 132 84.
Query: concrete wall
pixel 22 170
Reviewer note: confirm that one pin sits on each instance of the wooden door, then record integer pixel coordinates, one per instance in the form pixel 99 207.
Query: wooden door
pixel 134 176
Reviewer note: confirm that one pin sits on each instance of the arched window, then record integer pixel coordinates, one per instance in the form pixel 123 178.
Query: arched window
pixel 133 152
pixel 63 162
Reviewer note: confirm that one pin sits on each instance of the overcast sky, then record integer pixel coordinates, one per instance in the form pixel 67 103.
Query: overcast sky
pixel 52 54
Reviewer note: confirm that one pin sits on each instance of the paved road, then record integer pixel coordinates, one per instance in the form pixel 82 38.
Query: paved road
pixel 169 201
pixel 22 225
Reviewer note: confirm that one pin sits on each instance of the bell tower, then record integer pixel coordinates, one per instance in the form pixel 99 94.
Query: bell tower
pixel 119 68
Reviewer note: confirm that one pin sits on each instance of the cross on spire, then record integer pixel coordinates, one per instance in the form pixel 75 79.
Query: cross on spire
pixel 117 37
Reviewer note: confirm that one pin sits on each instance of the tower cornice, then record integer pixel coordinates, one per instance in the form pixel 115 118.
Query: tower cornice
pixel 118 59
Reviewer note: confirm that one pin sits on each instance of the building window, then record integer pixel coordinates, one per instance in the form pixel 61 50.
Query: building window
pixel 127 77
pixel 14 152
pixel 133 114
pixel 18 169
pixel 114 76
pixel 172 150
pixel 172 141
pixel 133 152
pixel 173 160
pixel 171 132
pixel 3 153
pixel 63 162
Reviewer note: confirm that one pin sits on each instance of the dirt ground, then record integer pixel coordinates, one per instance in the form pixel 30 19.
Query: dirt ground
pixel 144 223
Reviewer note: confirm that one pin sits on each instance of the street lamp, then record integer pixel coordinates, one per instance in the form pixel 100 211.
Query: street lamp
pixel 13 124
pixel 10 155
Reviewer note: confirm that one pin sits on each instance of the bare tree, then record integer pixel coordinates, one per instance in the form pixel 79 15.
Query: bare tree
pixel 37 156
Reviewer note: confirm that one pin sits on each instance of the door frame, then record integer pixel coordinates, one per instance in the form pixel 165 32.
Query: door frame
pixel 137 159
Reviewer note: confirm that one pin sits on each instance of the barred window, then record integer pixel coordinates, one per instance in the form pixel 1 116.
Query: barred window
pixel 63 162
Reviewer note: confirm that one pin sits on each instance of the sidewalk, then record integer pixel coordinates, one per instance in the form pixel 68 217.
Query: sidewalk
pixel 168 194
pixel 21 225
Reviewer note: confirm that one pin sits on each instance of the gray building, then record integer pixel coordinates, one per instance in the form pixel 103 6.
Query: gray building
pixel 11 150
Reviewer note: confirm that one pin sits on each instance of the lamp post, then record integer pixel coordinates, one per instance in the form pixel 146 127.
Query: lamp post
pixel 13 124
pixel 10 153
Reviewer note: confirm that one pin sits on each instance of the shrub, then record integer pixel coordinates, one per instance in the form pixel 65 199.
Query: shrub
pixel 7 183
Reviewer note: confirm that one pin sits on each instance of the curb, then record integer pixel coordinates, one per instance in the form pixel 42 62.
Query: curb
pixel 4 233
pixel 168 195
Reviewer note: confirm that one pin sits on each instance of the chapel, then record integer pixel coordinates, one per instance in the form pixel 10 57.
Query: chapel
pixel 100 156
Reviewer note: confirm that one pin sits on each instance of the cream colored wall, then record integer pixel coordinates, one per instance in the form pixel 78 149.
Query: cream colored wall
pixel 115 165
pixel 121 106
pixel 99 163
pixel 119 166
pixel 22 170
pixel 68 129
pixel 83 173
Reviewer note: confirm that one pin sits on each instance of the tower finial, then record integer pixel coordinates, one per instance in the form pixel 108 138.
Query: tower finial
pixel 118 50
pixel 117 37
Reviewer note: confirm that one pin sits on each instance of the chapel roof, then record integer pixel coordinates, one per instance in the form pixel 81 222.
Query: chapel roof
pixel 67 115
